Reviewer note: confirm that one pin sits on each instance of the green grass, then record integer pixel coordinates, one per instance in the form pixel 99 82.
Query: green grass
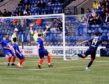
pixel 63 72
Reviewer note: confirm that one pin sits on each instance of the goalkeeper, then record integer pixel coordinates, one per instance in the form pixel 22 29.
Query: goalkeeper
pixel 35 33
pixel 14 35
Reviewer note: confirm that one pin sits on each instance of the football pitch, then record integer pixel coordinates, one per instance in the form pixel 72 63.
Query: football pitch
pixel 63 72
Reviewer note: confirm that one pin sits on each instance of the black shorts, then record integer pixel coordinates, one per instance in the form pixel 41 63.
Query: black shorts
pixel 43 53
pixel 92 52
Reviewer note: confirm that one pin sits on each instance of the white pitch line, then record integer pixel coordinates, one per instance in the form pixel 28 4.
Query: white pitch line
pixel 47 68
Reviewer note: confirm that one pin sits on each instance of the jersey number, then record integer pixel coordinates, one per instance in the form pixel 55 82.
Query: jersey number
pixel 94 42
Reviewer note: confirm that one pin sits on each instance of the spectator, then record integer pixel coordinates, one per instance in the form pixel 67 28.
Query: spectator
pixel 49 2
pixel 107 4
pixel 25 12
pixel 94 19
pixel 26 2
pixel 9 13
pixel 41 4
pixel 25 7
pixel 107 10
pixel 87 14
pixel 107 18
pixel 67 11
pixel 95 5
pixel 5 12
pixel 104 2
pixel 82 10
pixel 61 1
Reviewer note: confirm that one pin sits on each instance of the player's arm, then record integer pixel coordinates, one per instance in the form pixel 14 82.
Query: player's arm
pixel 15 48
pixel 32 33
pixel 105 42
pixel 38 44
pixel 18 52
pixel 31 29
pixel 47 27
pixel 80 43
pixel 11 47
pixel 7 48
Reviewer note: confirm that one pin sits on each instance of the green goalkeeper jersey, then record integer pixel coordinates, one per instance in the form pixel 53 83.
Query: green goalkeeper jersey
pixel 35 35
pixel 14 36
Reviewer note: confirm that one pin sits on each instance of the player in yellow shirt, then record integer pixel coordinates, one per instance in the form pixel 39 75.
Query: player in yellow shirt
pixel 14 35
pixel 35 33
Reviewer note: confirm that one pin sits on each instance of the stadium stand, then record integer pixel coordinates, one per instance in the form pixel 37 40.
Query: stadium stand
pixel 7 7
pixel 33 7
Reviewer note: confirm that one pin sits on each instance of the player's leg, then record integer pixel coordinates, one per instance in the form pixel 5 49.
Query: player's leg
pixel 41 59
pixel 46 53
pixel 13 58
pixel 7 54
pixel 21 61
pixel 9 59
pixel 93 53
pixel 85 54
pixel 49 59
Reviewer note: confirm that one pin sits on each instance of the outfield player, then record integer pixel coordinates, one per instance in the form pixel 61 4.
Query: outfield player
pixel 8 50
pixel 18 53
pixel 42 52
pixel 94 43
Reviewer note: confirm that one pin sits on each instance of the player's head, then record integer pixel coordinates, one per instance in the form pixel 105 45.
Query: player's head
pixel 15 30
pixel 14 40
pixel 96 33
pixel 5 35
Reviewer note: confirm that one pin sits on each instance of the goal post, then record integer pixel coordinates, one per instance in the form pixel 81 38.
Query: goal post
pixel 64 41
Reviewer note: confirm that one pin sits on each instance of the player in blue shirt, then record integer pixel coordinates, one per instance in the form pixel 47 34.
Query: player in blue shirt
pixel 42 52
pixel 94 43
pixel 18 53
pixel 8 50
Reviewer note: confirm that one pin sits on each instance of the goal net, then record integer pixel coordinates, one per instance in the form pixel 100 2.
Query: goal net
pixel 54 37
